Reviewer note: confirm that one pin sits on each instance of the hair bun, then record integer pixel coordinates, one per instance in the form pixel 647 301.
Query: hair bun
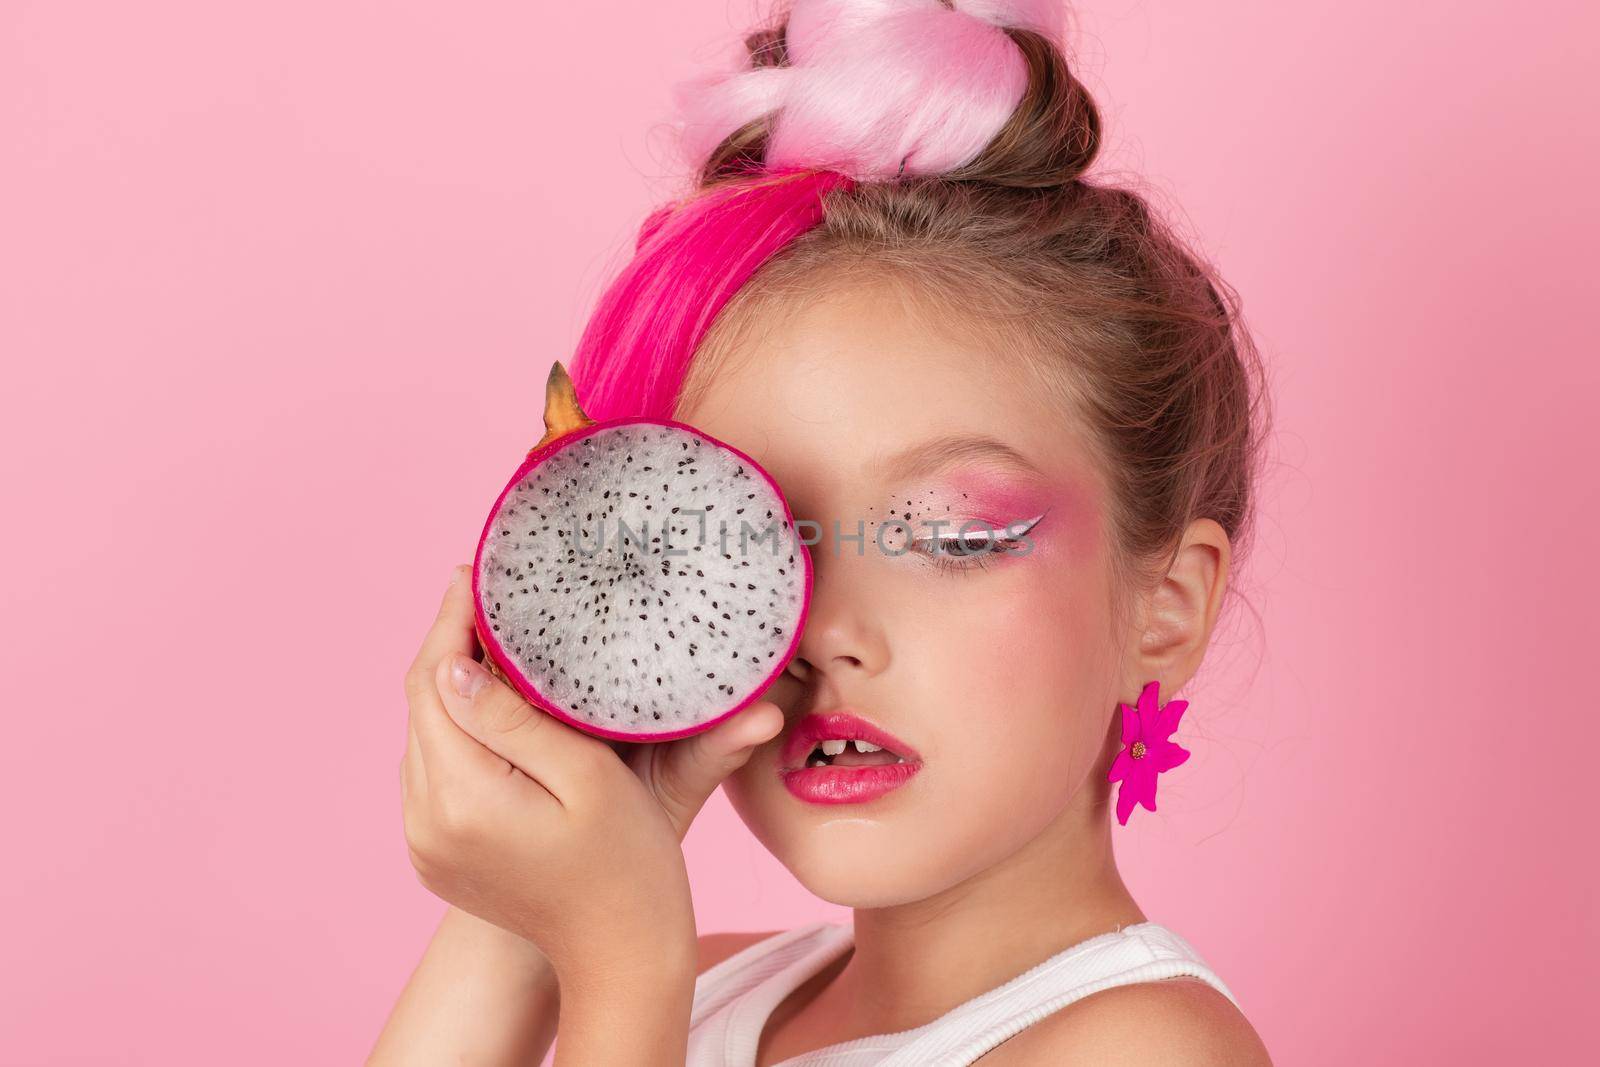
pixel 875 88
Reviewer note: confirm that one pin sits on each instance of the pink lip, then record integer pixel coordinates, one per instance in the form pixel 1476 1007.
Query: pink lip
pixel 843 785
pixel 817 727
pixel 847 785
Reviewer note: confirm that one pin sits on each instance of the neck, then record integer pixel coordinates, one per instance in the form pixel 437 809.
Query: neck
pixel 913 962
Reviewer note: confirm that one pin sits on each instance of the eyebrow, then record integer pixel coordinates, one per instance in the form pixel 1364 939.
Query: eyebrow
pixel 937 453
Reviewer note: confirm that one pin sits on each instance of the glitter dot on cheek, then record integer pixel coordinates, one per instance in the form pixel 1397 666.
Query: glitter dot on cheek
pixel 896 523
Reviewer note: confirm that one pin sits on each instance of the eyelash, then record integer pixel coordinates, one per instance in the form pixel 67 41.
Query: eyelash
pixel 946 560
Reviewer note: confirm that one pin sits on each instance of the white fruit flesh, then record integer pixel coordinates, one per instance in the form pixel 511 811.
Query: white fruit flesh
pixel 614 578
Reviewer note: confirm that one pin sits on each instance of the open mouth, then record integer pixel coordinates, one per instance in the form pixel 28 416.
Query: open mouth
pixel 857 753
pixel 842 738
pixel 839 757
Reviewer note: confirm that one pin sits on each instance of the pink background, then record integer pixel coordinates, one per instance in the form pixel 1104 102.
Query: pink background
pixel 279 284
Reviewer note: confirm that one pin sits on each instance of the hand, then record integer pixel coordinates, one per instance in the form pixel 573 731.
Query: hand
pixel 683 774
pixel 537 827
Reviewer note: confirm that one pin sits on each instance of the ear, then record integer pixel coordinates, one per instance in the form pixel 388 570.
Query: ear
pixel 1175 618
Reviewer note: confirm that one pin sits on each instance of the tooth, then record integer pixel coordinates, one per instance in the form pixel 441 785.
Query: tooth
pixel 834 746
pixel 866 746
pixel 818 762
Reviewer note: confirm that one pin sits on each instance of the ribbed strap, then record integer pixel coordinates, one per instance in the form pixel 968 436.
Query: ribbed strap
pixel 1144 952
pixel 733 997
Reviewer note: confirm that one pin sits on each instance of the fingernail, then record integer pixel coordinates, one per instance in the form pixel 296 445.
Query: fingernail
pixel 455 575
pixel 467 677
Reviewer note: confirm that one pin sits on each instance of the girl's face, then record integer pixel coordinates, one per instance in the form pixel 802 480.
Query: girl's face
pixel 1001 670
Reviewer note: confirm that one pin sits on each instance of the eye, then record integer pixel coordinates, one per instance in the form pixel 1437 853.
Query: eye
pixel 975 548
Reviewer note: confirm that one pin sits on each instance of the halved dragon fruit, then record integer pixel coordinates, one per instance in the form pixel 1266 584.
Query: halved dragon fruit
pixel 638 578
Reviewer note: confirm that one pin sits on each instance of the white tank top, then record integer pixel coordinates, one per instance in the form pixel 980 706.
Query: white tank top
pixel 733 999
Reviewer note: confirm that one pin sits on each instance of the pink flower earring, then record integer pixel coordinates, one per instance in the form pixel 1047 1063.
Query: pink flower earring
pixel 1146 750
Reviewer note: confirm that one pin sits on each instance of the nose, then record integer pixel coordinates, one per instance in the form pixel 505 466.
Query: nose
pixel 843 636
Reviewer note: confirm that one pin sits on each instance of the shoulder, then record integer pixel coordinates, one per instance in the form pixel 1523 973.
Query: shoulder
pixel 1178 1021
pixel 714 948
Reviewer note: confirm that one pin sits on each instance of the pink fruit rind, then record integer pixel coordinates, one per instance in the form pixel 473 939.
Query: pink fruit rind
pixel 525 687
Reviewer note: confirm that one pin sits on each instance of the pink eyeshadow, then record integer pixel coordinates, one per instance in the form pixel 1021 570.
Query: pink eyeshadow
pixel 1001 500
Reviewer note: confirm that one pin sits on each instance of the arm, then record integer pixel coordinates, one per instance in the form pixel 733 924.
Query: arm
pixel 639 1020
pixel 480 996
pixel 542 831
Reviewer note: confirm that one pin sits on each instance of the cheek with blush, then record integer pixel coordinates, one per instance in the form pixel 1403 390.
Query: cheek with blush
pixel 1045 648
pixel 1028 653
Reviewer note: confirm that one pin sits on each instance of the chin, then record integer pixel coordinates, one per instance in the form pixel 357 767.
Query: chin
pixel 860 879
pixel 860 862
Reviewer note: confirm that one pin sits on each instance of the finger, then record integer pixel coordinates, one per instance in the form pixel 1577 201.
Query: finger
pixel 557 756
pixel 687 772
pixel 446 752
pixel 452 629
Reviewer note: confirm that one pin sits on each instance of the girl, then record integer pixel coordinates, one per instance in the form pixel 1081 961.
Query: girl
pixel 895 288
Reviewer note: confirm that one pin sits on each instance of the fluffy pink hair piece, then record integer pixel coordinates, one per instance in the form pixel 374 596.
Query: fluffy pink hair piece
pixel 875 88
pixel 691 257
